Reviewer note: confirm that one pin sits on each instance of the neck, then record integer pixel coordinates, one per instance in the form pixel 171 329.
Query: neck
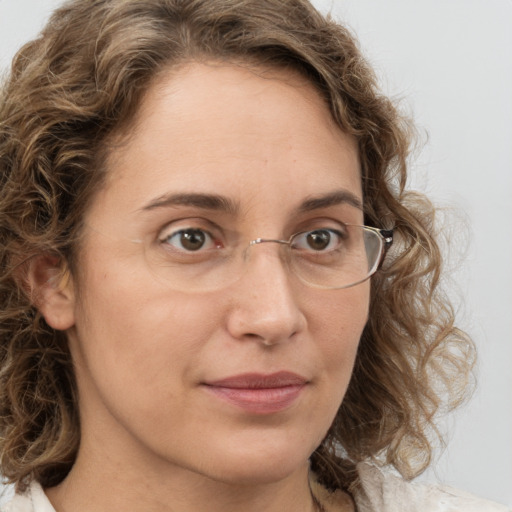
pixel 105 487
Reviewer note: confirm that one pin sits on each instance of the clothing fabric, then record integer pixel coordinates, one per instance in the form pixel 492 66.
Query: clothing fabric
pixel 385 492
pixel 381 492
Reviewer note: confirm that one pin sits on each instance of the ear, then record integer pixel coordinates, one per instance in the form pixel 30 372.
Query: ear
pixel 51 290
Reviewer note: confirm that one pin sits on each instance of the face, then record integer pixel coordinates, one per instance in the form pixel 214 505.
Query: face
pixel 237 381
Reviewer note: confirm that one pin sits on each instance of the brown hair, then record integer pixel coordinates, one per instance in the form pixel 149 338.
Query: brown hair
pixel 82 80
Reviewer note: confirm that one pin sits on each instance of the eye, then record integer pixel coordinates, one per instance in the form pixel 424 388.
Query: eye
pixel 191 240
pixel 318 240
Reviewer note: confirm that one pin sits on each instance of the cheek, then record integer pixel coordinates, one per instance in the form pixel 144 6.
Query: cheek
pixel 128 325
pixel 340 314
pixel 337 321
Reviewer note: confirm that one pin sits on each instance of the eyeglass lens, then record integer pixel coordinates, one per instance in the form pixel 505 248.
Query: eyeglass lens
pixel 323 258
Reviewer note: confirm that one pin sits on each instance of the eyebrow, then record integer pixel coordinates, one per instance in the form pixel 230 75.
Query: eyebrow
pixel 332 199
pixel 217 202
pixel 204 201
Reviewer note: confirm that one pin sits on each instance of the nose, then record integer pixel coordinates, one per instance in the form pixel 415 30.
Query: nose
pixel 265 307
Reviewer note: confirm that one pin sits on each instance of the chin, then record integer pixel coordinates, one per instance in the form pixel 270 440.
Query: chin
pixel 262 474
pixel 261 466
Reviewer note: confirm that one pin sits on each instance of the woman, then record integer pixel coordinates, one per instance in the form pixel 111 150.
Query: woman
pixel 188 319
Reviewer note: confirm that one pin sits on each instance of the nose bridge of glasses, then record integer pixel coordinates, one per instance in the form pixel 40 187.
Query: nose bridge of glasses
pixel 260 241
pixel 257 241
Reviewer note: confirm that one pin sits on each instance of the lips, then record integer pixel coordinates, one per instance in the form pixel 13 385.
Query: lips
pixel 258 393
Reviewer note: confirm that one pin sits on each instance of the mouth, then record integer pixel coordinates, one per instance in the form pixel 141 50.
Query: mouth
pixel 258 393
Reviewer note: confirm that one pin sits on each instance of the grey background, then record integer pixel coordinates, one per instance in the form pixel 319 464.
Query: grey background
pixel 451 61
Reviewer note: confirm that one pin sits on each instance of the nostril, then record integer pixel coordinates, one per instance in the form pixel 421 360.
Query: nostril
pixel 266 340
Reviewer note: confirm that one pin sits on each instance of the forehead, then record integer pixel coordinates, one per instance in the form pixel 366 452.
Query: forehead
pixel 241 131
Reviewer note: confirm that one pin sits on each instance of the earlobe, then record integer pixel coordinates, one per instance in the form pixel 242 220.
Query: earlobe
pixel 51 290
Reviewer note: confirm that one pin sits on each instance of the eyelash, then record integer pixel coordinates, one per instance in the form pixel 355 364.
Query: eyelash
pixel 192 226
pixel 191 232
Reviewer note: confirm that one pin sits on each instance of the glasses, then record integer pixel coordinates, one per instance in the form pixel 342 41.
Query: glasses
pixel 192 259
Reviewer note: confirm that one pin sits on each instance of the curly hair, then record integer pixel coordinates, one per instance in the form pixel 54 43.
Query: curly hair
pixel 82 81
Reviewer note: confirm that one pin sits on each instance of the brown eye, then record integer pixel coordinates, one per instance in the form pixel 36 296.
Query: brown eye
pixel 189 240
pixel 318 240
pixel 192 240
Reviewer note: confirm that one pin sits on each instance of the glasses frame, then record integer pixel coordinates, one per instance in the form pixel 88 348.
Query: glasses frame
pixel 386 236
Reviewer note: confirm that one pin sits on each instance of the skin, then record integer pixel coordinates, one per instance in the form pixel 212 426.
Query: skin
pixel 154 437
